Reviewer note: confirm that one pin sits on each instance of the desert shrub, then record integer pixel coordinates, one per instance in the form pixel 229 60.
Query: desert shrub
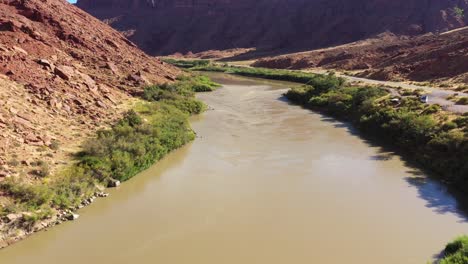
pixel 337 100
pixel 158 93
pixel 54 145
pixel 71 186
pixel 184 88
pixel 300 94
pixel 461 121
pixel 13 162
pixel 462 101
pixel 43 170
pixel 31 196
pixel 199 83
pixel 432 109
pixel 33 217
pixel 449 126
pixel 418 92
pixel 188 105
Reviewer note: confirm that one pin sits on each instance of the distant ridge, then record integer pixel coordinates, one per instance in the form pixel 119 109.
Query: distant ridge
pixel 165 27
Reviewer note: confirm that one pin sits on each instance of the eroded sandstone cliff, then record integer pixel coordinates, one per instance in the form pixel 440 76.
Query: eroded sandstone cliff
pixel 165 27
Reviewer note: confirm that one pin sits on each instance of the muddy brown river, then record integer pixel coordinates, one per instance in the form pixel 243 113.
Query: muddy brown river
pixel 265 182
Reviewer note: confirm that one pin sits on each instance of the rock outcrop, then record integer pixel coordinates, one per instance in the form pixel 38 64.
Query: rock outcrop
pixel 170 26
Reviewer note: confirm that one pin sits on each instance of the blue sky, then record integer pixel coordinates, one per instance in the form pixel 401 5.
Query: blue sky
pixel 72 1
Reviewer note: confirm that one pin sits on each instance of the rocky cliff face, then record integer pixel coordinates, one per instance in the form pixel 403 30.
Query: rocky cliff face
pixel 63 74
pixel 164 26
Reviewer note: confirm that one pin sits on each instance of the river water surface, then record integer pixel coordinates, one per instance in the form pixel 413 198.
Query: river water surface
pixel 265 182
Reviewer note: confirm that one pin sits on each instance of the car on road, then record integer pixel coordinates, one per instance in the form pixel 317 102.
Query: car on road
pixel 424 99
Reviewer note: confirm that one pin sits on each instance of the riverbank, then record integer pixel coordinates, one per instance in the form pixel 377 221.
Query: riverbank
pixel 316 187
pixel 157 124
pixel 436 139
pixel 449 100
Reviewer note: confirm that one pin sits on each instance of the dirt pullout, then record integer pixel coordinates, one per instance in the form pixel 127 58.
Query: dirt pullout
pixel 430 57
pixel 63 74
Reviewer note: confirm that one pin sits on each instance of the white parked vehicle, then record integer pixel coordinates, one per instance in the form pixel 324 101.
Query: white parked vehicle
pixel 424 99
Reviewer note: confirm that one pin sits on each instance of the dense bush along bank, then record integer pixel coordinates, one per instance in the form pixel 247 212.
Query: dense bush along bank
pixel 456 252
pixel 156 126
pixel 271 74
pixel 433 138
pixel 187 63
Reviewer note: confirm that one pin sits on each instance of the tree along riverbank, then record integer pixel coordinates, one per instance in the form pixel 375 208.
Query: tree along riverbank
pixel 157 125
pixel 435 139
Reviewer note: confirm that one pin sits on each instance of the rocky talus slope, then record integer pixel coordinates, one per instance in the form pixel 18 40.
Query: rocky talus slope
pixel 63 74
pixel 430 57
pixel 167 26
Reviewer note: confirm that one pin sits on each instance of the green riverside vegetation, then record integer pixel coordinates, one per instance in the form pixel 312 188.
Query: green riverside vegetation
pixel 435 139
pixel 187 63
pixel 456 252
pixel 144 135
pixel 271 74
pixel 431 137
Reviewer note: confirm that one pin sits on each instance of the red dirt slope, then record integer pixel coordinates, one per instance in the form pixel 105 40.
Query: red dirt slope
pixel 63 74
pixel 423 58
